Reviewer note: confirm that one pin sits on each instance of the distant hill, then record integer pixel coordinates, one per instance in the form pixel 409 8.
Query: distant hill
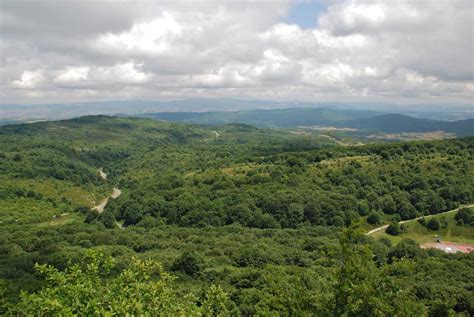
pixel 22 113
pixel 364 120
pixel 290 117
pixel 398 123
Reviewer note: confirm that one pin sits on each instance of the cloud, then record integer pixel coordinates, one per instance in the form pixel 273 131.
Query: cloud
pixel 90 77
pixel 408 51
pixel 152 38
pixel 72 75
pixel 29 80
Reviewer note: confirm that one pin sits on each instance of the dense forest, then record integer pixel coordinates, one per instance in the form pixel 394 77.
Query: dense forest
pixel 224 220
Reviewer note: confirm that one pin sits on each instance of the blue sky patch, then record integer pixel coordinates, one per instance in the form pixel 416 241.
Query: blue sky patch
pixel 305 13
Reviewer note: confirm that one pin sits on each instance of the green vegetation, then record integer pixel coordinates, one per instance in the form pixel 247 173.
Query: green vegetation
pixel 290 117
pixel 397 123
pixel 433 224
pixel 394 229
pixel 449 230
pixel 90 288
pixel 465 216
pixel 374 218
pixel 249 221
pixel 215 185
pixel 363 120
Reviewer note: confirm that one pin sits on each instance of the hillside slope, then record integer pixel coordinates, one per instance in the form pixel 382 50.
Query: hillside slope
pixel 291 117
pixel 266 214
pixel 363 120
pixel 397 123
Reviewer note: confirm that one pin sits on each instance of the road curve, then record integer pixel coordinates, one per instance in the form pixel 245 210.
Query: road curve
pixel 102 174
pixel 100 207
pixel 115 194
pixel 405 221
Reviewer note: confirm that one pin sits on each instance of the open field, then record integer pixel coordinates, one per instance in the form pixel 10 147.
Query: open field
pixel 417 232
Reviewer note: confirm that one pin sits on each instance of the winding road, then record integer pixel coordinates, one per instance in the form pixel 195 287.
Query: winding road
pixel 115 193
pixel 428 216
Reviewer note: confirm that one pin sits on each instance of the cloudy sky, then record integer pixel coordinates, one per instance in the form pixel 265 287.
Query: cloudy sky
pixel 359 50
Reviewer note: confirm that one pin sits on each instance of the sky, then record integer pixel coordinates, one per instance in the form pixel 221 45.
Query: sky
pixel 404 51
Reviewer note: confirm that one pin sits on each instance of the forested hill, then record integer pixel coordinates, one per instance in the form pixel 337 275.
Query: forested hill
pixel 251 221
pixel 44 158
pixel 291 117
pixel 364 120
pixel 397 123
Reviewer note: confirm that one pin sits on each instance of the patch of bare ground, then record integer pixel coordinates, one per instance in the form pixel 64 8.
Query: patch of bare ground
pixel 449 247
pixel 326 128
pixel 411 136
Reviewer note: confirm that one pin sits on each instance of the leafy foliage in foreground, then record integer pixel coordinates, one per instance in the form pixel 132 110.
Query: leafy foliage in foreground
pixel 263 271
pixel 357 286
pixel 89 289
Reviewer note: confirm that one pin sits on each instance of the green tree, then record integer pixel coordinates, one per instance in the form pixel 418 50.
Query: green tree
pixel 464 216
pixel 374 218
pixel 406 248
pixel 91 216
pixel 189 263
pixel 89 289
pixel 364 289
pixel 108 219
pixel 295 214
pixel 394 229
pixel 132 214
pixel 433 224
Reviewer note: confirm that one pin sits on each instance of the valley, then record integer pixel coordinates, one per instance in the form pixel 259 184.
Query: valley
pixel 252 210
pixel 220 158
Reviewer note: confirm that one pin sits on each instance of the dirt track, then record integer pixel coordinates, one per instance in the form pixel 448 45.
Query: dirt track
pixel 102 174
pixel 115 193
pixel 426 217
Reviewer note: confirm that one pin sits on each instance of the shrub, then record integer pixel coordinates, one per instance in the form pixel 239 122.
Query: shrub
pixel 465 216
pixel 433 224
pixel 189 263
pixel 406 248
pixel 108 219
pixel 374 218
pixel 91 289
pixel 394 229
pixel 422 221
pixel 91 216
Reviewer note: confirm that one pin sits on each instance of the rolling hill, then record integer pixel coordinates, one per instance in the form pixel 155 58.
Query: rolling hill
pixel 398 123
pixel 271 216
pixel 289 117
pixel 363 120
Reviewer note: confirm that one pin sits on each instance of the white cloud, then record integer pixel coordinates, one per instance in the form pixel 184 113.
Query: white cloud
pixel 29 80
pixel 152 38
pixel 87 76
pixel 72 75
pixel 361 50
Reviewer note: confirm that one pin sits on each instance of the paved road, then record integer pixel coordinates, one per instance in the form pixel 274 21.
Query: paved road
pixel 405 221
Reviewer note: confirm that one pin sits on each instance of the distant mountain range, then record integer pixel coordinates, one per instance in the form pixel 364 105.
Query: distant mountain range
pixel 398 123
pixel 368 117
pixel 290 117
pixel 364 120
pixel 17 113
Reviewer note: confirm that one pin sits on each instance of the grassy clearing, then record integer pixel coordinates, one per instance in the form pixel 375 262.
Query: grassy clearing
pixel 62 220
pixel 415 231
